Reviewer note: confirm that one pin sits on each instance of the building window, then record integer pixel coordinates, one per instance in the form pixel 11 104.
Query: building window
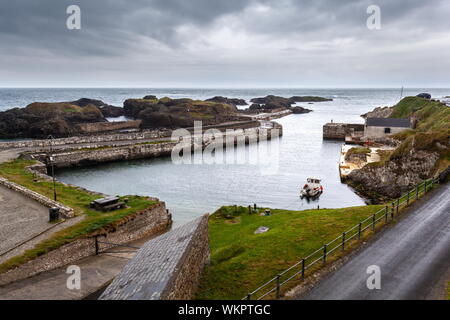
pixel 387 130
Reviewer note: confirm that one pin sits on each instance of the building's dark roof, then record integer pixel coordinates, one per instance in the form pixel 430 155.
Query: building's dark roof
pixel 388 122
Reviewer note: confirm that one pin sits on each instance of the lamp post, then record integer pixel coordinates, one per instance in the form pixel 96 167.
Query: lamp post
pixel 53 166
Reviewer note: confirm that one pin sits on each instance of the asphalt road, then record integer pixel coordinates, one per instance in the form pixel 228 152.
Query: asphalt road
pixel 413 256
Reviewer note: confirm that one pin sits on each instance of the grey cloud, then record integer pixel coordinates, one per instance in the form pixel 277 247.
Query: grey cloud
pixel 141 39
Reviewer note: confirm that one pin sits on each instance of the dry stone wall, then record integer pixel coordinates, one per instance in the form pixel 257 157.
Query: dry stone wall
pixel 130 136
pixel 167 267
pixel 65 211
pixel 150 221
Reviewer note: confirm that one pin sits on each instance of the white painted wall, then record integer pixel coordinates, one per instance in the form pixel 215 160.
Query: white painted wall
pixel 376 132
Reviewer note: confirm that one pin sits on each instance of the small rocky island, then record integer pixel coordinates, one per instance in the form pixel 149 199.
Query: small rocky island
pixel 89 116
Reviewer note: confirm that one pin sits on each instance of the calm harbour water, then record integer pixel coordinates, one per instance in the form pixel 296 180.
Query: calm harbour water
pixel 192 190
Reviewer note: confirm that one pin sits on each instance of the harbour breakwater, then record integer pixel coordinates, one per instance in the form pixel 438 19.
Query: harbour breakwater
pixel 95 154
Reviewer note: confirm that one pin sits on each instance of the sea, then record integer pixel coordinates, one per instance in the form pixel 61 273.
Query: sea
pixel 191 190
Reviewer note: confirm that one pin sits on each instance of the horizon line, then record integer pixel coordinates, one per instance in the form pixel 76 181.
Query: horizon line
pixel 216 88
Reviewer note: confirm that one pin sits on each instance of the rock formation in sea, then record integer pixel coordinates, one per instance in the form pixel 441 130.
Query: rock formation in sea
pixel 38 120
pixel 178 113
pixel 107 110
pixel 233 101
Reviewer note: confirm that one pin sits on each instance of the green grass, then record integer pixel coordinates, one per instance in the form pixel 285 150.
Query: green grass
pixel 241 261
pixel 358 150
pixel 76 198
pixel 432 130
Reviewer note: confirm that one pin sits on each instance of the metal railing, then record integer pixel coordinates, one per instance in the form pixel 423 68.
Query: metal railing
pixel 298 270
pixel 111 245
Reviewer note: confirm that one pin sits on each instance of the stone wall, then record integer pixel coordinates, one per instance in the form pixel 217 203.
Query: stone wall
pixel 65 211
pixel 98 127
pixel 150 221
pixel 340 130
pixel 130 136
pixel 85 157
pixel 190 267
pixel 167 267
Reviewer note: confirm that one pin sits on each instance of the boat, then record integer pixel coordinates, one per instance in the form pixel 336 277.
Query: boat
pixel 312 189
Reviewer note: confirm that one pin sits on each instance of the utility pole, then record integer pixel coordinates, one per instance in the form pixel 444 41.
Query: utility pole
pixel 53 166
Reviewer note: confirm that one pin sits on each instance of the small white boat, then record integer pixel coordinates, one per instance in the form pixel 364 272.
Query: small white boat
pixel 312 189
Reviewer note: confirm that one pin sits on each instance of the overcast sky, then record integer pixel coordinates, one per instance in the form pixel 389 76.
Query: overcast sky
pixel 225 43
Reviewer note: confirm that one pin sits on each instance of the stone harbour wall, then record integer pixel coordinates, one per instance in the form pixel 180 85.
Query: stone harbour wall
pixel 65 211
pixel 340 130
pixel 86 157
pixel 98 127
pixel 190 267
pixel 150 221
pixel 130 136
pixel 166 267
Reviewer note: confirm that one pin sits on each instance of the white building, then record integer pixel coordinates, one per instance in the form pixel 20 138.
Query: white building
pixel 380 127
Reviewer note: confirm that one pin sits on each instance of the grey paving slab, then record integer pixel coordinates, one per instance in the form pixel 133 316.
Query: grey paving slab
pixel 148 273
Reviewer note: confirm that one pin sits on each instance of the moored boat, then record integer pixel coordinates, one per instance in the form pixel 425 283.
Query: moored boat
pixel 312 189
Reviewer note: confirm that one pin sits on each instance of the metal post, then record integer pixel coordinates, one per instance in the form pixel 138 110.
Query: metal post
pixel 407 198
pixel 386 212
pixel 425 187
pixel 278 286
pixel 417 192
pixel 53 166
pixel 343 241
pixel 392 211
pixel 324 253
pixel 249 296
pixel 303 268
pixel 359 230
pixel 373 222
pixel 398 203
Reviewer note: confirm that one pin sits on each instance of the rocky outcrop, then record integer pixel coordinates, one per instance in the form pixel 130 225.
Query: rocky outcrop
pixel 107 110
pixel 379 112
pixel 272 102
pixel 308 99
pixel 179 113
pixel 233 101
pixel 38 120
pixel 298 110
pixel 390 180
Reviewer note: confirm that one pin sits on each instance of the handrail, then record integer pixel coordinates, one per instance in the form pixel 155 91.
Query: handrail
pixel 327 248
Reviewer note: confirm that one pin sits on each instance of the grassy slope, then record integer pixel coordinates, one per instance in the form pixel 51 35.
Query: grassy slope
pixel 73 197
pixel 241 260
pixel 432 129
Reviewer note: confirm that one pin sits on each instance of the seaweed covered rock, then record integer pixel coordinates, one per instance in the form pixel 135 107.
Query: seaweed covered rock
pixel 233 101
pixel 107 110
pixel 299 110
pixel 272 102
pixel 38 120
pixel 178 113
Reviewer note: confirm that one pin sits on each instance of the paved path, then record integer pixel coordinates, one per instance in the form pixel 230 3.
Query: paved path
pixel 413 255
pixel 20 219
pixel 96 272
